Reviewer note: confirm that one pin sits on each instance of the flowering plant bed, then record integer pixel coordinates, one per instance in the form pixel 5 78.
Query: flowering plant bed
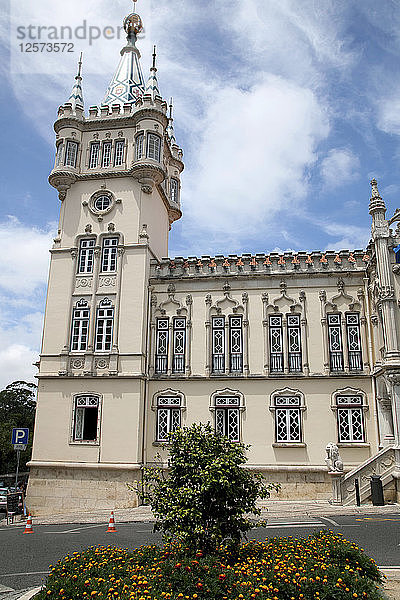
pixel 323 566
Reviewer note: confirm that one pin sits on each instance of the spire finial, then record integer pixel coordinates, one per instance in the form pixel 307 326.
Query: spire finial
pixel 376 204
pixel 171 108
pixel 80 65
pixel 154 68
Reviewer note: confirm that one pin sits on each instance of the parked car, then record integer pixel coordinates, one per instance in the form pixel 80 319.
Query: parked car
pixel 3 499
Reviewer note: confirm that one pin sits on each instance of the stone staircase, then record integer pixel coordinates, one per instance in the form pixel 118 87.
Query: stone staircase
pixel 383 463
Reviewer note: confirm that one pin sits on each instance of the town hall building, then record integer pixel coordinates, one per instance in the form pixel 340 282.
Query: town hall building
pixel 285 352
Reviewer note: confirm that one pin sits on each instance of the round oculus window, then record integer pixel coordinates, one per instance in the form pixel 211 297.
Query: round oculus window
pixel 102 203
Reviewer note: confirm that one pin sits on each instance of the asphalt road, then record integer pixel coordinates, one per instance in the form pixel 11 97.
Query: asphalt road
pixel 25 558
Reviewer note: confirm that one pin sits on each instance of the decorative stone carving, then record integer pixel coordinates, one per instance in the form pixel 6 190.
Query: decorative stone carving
pixel 333 460
pixel 143 235
pixel 88 228
pixel 111 227
pixel 102 363
pixel 107 281
pixel 77 363
pixel 84 282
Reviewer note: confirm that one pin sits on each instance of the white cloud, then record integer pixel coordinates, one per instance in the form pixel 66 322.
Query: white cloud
pixel 253 155
pixel 25 254
pixel 339 167
pixel 389 114
pixel 350 237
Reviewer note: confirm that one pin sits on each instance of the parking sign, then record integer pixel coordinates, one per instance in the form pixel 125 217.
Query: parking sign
pixel 20 436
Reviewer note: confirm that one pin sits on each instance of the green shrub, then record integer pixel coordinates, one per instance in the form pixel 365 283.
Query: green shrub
pixel 323 566
pixel 204 500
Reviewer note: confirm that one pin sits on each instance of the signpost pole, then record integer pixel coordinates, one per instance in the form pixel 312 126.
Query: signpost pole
pixel 16 473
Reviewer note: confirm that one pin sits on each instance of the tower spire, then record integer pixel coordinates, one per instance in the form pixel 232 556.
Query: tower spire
pixel 170 128
pixel 76 97
pixel 152 84
pixel 128 84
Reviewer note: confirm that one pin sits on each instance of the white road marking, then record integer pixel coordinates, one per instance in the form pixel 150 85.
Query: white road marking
pixel 331 521
pixel 79 528
pixel 296 525
pixel 19 574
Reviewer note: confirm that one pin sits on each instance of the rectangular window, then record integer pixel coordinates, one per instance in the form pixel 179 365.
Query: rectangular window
pixel 104 329
pixel 119 153
pixel 86 419
pixel 86 255
pixel 335 342
pixel 179 344
pixel 294 343
pixel 227 417
pixel 235 344
pixel 276 343
pixel 80 327
pixel 153 146
pixel 107 149
pixel 71 154
pixel 109 255
pixel 162 340
pixel 94 155
pixel 350 419
pixel 287 419
pixel 139 146
pixel 168 417
pixel 218 344
pixel 354 341
pixel 174 190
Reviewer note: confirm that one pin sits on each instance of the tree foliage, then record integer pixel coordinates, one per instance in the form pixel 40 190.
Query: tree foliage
pixel 204 499
pixel 17 409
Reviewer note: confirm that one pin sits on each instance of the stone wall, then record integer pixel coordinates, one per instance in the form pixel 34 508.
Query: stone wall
pixel 54 490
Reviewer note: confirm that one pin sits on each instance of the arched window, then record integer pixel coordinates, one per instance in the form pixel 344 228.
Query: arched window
pixel 350 405
pixel 71 154
pixel 168 406
pixel 227 406
pixel 288 406
pixel 139 146
pixel 86 418
pixel 174 190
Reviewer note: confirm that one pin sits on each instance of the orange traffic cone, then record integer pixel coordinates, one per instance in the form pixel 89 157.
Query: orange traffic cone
pixel 28 527
pixel 111 524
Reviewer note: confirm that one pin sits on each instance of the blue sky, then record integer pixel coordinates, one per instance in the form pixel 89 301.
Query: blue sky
pixel 285 110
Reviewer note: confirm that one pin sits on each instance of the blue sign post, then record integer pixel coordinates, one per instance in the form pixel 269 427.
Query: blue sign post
pixel 19 439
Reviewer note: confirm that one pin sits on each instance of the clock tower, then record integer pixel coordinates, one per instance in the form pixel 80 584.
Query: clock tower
pixel 117 173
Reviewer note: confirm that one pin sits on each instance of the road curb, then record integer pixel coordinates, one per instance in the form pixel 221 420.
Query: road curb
pixel 30 594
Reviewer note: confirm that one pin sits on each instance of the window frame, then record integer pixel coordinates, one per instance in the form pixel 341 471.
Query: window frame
pixel 161 359
pixel 87 254
pixel 179 358
pixel 294 358
pixel 68 154
pixel 156 155
pixel 94 156
pixel 355 357
pixel 295 402
pixel 74 412
pixel 224 403
pixel 336 357
pixel 218 360
pixel 174 190
pixel 177 403
pixel 235 358
pixel 107 332
pixel 139 146
pixel 119 156
pixel 106 154
pixel 81 306
pixel 276 357
pixel 109 255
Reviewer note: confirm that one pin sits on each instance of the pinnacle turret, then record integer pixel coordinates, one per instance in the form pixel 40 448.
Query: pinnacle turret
pixel 152 84
pixel 127 85
pixel 76 97
pixel 376 203
pixel 170 128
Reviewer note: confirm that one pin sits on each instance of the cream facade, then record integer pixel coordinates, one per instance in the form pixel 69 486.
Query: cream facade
pixel 283 352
